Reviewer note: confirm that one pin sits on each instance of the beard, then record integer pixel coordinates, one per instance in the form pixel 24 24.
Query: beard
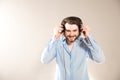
pixel 71 39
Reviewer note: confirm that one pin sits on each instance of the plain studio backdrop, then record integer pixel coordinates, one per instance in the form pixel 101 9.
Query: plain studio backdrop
pixel 26 26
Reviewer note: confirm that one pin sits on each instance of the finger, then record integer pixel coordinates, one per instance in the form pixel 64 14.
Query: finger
pixel 60 29
pixel 84 26
pixel 83 29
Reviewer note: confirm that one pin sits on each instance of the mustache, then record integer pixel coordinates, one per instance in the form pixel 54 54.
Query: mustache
pixel 71 36
pixel 76 37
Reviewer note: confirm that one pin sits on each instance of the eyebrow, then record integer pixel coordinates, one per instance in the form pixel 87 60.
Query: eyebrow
pixel 72 30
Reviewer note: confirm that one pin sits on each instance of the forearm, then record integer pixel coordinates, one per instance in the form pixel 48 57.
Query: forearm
pixel 94 51
pixel 49 52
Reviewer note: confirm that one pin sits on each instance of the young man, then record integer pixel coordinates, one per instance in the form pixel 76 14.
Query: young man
pixel 71 50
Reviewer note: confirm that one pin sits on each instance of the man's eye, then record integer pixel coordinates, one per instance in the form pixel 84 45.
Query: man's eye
pixel 74 30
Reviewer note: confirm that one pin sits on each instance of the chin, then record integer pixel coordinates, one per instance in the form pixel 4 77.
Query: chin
pixel 72 40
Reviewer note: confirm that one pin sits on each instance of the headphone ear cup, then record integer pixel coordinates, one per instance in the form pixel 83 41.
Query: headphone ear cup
pixel 81 30
pixel 84 32
pixel 63 28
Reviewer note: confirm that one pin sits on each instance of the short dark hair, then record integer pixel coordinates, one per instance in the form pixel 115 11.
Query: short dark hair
pixel 72 20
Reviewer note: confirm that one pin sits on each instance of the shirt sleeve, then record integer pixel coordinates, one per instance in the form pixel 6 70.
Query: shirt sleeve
pixel 94 51
pixel 49 52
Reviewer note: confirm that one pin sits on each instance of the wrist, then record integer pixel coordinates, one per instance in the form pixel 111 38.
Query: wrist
pixel 87 40
pixel 55 37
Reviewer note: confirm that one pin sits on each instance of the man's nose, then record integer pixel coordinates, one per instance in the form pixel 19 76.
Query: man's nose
pixel 71 33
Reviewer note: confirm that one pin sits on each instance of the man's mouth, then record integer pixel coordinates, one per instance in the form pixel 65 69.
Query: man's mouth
pixel 71 36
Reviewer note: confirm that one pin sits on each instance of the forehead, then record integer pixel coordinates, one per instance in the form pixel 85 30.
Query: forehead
pixel 70 26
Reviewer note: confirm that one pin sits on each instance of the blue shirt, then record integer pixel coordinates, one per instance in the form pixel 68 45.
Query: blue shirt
pixel 72 65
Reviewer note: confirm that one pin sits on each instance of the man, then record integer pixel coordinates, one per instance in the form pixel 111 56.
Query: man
pixel 71 50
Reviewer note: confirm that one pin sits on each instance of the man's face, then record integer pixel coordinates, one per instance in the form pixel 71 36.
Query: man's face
pixel 71 32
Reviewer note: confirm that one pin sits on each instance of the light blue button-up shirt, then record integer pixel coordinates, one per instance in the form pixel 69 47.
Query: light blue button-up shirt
pixel 72 65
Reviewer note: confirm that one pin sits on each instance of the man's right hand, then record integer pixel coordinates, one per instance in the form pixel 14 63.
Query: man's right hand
pixel 57 32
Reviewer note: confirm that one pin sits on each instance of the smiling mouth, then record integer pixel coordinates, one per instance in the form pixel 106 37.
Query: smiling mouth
pixel 71 36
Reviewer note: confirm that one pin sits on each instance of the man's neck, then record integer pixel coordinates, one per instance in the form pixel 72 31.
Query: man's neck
pixel 70 45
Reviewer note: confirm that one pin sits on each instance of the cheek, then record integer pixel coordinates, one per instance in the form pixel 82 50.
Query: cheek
pixel 66 33
pixel 76 33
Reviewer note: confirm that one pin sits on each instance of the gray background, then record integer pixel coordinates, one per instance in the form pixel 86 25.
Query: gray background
pixel 26 26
